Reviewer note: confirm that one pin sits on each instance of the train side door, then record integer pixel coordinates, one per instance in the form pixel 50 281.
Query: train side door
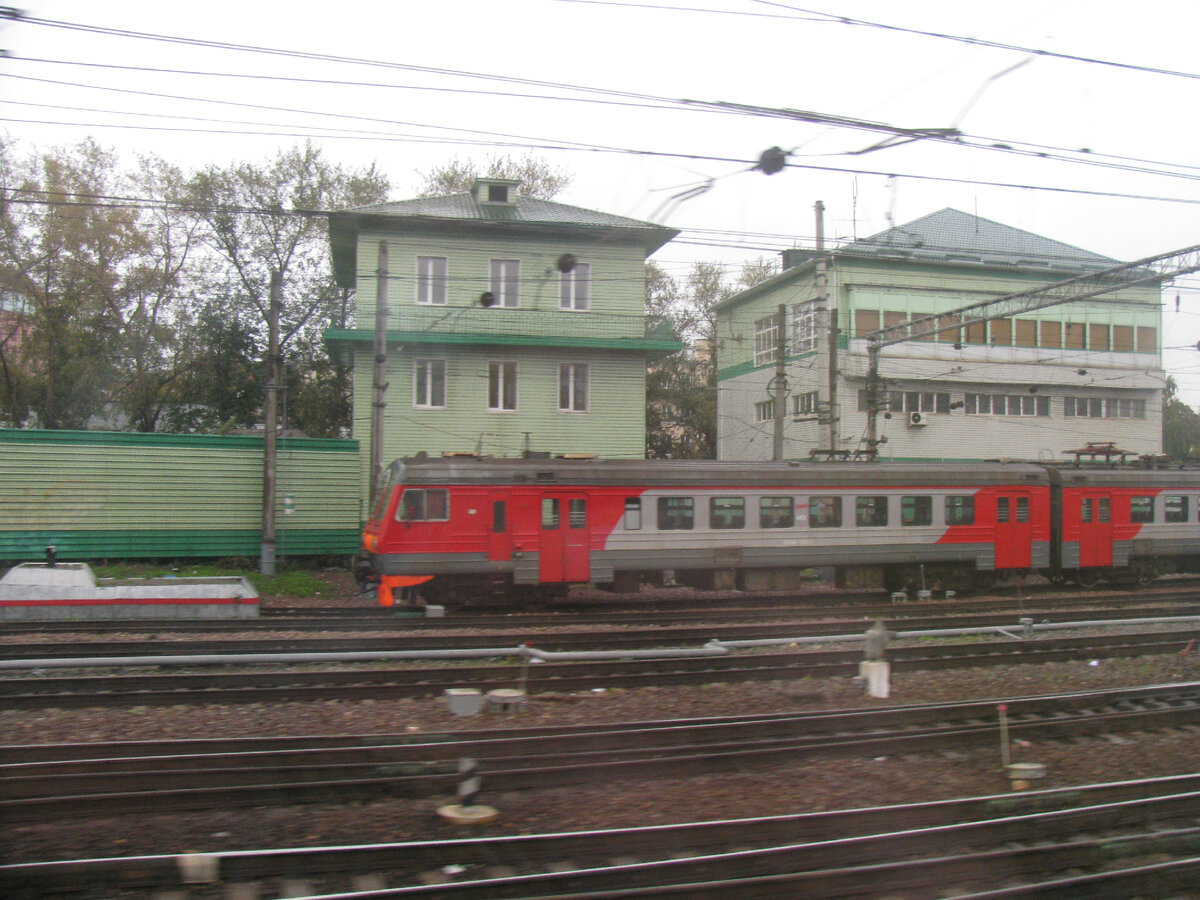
pixel 1014 531
pixel 564 549
pixel 1095 529
pixel 499 531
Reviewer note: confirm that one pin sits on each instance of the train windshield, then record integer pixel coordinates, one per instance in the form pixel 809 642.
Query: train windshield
pixel 385 491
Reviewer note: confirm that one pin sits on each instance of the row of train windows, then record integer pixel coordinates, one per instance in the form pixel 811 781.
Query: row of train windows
pixel 1141 509
pixel 679 513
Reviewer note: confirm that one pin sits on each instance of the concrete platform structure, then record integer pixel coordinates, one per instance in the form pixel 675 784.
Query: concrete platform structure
pixel 71 591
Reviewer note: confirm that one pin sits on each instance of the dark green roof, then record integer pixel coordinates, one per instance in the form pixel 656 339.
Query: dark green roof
pixel 953 236
pixel 460 214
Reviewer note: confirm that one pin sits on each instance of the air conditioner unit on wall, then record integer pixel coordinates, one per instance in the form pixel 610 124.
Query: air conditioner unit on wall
pixel 916 418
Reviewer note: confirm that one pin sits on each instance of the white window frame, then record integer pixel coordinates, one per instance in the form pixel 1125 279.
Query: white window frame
pixel 804 327
pixel 431 280
pixel 568 387
pixel 504 281
pixel 502 374
pixel 427 373
pixel 766 340
pixel 575 288
pixel 764 411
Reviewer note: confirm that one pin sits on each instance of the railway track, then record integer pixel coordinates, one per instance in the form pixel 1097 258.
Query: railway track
pixel 647 612
pixel 506 632
pixel 277 684
pixel 1072 841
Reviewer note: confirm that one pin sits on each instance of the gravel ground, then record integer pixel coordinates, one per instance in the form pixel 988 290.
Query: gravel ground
pixel 807 786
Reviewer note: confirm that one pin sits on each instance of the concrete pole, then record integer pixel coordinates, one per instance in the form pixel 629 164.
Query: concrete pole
pixel 379 386
pixel 779 390
pixel 821 283
pixel 266 560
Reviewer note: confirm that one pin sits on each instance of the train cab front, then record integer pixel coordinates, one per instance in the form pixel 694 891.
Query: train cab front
pixel 376 565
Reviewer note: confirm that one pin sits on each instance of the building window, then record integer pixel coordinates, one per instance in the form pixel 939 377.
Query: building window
pixel 776 512
pixel 575 287
pixel 1104 407
pixel 502 386
pixel 960 510
pixel 505 281
pixel 431 280
pixel 871 512
pixel 1006 405
pixel 429 383
pixel 916 510
pixel 766 340
pixel 805 404
pixel 424 505
pixel 572 387
pixel 824 512
pixel 727 512
pixel 676 513
pixel 915 401
pixel 804 326
pixel 764 411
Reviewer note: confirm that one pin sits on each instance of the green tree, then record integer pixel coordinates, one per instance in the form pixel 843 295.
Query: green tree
pixel 681 390
pixel 71 262
pixel 1180 424
pixel 267 219
pixel 538 179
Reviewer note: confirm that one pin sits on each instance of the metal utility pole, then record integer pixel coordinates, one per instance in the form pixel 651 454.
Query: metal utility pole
pixel 266 560
pixel 1069 290
pixel 821 283
pixel 778 388
pixel 378 385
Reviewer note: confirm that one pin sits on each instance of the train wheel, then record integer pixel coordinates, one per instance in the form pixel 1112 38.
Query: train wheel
pixel 1087 578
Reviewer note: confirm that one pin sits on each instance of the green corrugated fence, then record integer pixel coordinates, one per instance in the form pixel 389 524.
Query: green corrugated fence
pixel 96 494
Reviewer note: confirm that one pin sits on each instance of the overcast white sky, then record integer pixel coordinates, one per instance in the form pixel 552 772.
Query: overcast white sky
pixel 533 58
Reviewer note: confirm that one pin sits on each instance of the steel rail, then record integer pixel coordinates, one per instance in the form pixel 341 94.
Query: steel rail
pixel 107 689
pixel 841 853
pixel 565 641
pixel 408 768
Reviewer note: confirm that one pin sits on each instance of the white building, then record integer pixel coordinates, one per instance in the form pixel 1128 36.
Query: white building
pixel 1033 385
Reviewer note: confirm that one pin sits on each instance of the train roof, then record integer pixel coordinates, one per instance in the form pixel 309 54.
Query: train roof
pixel 709 473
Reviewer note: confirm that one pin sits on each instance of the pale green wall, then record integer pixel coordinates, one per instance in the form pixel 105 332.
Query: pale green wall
pixel 617 283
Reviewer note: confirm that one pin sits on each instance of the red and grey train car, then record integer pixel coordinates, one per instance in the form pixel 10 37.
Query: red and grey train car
pixel 462 524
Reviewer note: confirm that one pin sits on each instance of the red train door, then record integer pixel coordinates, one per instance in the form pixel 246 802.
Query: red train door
pixel 1014 531
pixel 499 533
pixel 564 549
pixel 1095 529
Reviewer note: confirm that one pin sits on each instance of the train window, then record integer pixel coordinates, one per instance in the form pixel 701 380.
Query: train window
pixel 1002 514
pixel 1085 510
pixel 960 510
pixel 727 512
pixel 1175 509
pixel 1105 510
pixel 385 493
pixel 577 513
pixel 916 510
pixel 424 505
pixel 550 514
pixel 499 517
pixel 633 513
pixel 1141 509
pixel 870 512
pixel 676 513
pixel 776 512
pixel 824 512
pixel 1022 509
